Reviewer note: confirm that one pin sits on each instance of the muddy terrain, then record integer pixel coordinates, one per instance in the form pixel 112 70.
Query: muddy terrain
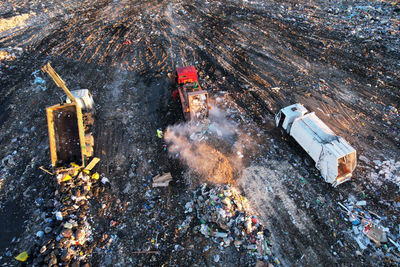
pixel 340 59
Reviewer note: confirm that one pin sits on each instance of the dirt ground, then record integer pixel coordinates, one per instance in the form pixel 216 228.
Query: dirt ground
pixel 341 59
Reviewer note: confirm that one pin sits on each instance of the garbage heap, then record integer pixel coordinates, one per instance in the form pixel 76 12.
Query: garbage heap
pixel 225 217
pixel 388 171
pixel 66 236
pixel 369 232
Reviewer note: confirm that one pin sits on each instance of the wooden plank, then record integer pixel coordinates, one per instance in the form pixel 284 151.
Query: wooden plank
pixel 92 163
pixel 162 180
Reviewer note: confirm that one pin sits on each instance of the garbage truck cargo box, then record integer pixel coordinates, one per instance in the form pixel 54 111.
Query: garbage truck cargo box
pixel 333 156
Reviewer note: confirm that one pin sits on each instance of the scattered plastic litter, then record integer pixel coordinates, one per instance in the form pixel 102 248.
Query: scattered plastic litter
pixel 367 226
pixel 38 82
pixel 67 236
pixel 225 217
pixel 59 216
pixel 387 171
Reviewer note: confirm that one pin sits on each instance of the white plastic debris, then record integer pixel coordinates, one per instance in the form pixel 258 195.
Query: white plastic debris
pixel 216 258
pixel 105 180
pixel 364 159
pixel 39 234
pixel 361 203
pixel 59 216
pixel 220 234
pixel 189 207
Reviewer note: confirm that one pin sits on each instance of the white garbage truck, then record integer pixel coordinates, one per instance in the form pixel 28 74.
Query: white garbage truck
pixel 333 156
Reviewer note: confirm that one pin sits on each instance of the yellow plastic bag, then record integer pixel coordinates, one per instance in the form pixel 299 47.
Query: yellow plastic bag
pixel 23 256
pixel 66 178
pixel 73 164
pixel 76 172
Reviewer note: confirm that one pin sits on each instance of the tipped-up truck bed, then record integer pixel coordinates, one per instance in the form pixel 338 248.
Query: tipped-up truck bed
pixel 333 156
pixel 66 135
pixel 70 126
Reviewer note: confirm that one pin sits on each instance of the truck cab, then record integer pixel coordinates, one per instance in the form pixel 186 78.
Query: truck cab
pixel 83 98
pixel 186 75
pixel 286 116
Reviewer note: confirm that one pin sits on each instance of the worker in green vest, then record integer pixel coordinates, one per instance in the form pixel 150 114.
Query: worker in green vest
pixel 159 133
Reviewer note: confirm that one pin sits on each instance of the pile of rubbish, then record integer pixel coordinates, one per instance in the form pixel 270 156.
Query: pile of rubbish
pixel 38 82
pixel 7 55
pixel 65 235
pixel 4 55
pixel 369 20
pixel 388 170
pixel 369 232
pixel 225 218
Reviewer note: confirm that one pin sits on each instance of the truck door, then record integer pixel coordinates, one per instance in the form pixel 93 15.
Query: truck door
pixel 279 119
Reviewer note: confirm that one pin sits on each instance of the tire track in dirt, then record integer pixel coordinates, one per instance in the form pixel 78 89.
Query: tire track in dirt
pixel 288 223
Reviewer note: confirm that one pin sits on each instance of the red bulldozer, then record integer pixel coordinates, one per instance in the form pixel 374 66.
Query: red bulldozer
pixel 194 100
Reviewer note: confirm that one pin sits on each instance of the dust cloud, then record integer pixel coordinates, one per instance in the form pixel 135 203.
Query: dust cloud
pixel 212 148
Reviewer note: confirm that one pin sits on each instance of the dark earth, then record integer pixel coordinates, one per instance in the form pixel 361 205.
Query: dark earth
pixel 341 59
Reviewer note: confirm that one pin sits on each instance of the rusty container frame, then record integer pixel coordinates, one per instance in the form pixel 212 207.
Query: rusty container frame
pixel 57 149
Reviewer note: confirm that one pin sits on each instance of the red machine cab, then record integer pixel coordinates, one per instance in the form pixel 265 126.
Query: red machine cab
pixel 186 75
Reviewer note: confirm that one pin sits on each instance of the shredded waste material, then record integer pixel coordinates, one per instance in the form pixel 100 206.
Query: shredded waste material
pixel 369 231
pixel 66 236
pixel 225 217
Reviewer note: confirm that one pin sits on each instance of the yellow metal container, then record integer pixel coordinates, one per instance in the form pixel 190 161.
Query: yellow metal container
pixel 66 135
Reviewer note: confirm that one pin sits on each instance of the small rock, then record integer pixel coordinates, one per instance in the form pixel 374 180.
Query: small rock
pixel 68 225
pixel 52 261
pixel 66 255
pixel 216 258
pixel 67 233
